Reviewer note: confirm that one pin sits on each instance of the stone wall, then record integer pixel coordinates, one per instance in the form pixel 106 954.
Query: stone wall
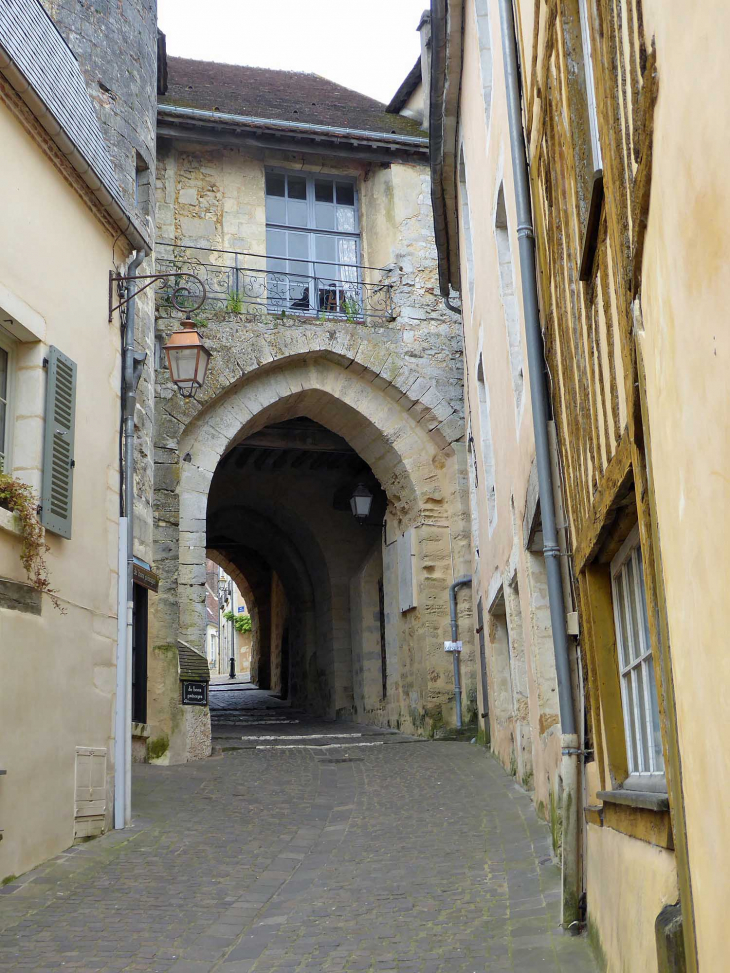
pixel 391 387
pixel 213 197
pixel 117 50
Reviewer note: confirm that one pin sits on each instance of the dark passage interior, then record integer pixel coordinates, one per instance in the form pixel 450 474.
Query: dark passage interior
pixel 280 521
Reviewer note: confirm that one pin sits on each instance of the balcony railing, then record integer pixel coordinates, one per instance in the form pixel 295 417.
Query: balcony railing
pixel 250 283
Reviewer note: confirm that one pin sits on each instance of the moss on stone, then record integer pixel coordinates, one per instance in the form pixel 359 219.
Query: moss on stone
pixel 594 941
pixel 483 738
pixel 556 825
pixel 158 747
pixel 8 879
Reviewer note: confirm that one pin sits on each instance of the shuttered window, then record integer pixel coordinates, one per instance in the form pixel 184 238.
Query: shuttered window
pixel 58 449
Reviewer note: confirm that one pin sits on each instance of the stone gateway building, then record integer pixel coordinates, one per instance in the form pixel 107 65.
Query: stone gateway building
pixel 305 210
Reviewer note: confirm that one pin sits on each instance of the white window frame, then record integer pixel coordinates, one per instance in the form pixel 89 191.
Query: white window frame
pixel 585 33
pixel 642 726
pixel 309 264
pixel 8 346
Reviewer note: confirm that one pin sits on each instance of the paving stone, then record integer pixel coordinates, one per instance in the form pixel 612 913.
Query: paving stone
pixel 416 858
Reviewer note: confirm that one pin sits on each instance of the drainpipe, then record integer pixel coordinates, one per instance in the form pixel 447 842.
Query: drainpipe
pixel 538 391
pixel 460 582
pixel 131 370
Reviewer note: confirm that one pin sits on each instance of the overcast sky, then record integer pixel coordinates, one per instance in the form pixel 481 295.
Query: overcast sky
pixel 368 45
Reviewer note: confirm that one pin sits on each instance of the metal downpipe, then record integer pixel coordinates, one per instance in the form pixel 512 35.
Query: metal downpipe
pixel 538 391
pixel 123 746
pixel 460 582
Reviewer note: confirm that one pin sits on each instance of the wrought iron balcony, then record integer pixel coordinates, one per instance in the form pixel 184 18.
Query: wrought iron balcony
pixel 250 283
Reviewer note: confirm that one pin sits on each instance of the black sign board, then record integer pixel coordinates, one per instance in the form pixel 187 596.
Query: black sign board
pixel 194 693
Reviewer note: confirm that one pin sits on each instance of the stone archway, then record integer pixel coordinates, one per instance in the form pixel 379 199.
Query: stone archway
pixel 401 427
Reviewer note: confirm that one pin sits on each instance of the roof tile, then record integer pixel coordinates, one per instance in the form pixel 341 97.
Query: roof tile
pixel 291 96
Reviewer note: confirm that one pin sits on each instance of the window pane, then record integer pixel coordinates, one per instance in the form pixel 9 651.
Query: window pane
pixel 642 599
pixel 296 187
pixel 276 243
pixel 324 216
pixel 345 194
pixel 630 722
pixel 275 183
pixel 299 249
pixel 655 742
pixel 642 728
pixel 346 219
pixel 2 435
pixel 622 636
pixel 325 249
pixel 323 191
pixel 347 251
pixel 633 608
pixel 275 210
pixel 296 213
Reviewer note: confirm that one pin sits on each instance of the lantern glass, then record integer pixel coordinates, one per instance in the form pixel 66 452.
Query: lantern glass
pixel 187 358
pixel 360 502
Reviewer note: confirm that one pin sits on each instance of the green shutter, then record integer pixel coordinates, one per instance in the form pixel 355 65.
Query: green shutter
pixel 58 447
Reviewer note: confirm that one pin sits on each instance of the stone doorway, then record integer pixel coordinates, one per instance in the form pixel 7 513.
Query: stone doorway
pixel 279 522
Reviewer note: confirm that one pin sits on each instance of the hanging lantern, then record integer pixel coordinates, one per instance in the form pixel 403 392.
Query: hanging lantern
pixel 187 359
pixel 360 502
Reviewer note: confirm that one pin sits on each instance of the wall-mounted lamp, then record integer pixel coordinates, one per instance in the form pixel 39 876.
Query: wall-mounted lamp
pixel 360 502
pixel 187 359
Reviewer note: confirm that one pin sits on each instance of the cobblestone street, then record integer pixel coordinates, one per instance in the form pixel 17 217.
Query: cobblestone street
pixel 372 852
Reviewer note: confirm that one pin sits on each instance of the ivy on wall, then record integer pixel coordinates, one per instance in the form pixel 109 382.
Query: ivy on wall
pixel 241 623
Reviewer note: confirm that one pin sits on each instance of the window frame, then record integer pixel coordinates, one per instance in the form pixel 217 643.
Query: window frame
pixel 640 778
pixel 311 230
pixel 8 345
pixel 590 82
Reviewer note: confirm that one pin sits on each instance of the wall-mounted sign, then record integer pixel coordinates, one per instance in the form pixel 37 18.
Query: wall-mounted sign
pixel 241 609
pixel 452 646
pixel 194 693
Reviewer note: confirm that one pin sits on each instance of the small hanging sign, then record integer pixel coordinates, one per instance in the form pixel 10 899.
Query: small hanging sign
pixel 452 646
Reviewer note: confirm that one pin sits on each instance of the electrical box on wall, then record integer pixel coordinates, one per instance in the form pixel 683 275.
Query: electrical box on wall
pixel 406 580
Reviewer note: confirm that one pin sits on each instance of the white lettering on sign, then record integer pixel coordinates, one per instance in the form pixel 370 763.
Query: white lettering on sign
pixel 452 646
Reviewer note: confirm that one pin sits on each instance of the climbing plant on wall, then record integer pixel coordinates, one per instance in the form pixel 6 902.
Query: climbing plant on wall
pixel 241 623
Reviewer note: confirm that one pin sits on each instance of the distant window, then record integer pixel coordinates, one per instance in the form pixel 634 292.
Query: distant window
pixel 484 36
pixel 509 299
pixel 485 425
pixel 638 686
pixel 466 229
pixel 5 404
pixel 312 244
pixel 142 184
pixel 585 33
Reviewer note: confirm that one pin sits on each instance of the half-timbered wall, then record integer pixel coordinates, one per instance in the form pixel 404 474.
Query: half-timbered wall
pixel 590 235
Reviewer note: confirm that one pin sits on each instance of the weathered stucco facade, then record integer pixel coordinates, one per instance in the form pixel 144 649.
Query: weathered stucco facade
pixel 61 368
pixel 379 386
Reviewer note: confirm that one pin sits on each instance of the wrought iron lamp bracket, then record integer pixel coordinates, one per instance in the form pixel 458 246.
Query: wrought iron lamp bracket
pixel 179 293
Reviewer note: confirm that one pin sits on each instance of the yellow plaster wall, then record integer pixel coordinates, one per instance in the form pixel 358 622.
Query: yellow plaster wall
pixel 55 255
pixel 685 343
pixel 631 881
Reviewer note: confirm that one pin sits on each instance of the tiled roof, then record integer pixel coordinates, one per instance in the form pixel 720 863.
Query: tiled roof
pixel 31 40
pixel 290 96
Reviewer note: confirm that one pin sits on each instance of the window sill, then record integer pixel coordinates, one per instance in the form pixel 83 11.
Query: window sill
pixel 645 799
pixel 9 522
pixel 642 815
